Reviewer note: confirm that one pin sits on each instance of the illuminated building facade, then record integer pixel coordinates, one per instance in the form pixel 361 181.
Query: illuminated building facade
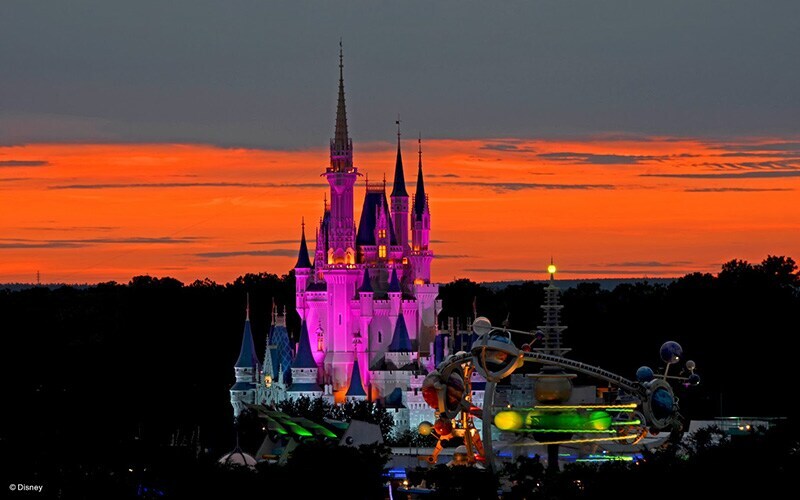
pixel 367 306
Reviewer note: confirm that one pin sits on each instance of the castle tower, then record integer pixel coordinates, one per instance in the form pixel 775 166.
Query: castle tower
pixel 302 273
pixel 341 175
pixel 282 354
pixel 246 370
pixel 421 256
pixel 399 199
pixel 304 369
pixel 398 355
pixel 271 386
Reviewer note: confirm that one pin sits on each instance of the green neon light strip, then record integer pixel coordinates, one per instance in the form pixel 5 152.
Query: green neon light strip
pixel 611 459
pixel 632 422
pixel 574 431
pixel 294 428
pixel 274 425
pixel 578 407
pixel 557 408
pixel 572 441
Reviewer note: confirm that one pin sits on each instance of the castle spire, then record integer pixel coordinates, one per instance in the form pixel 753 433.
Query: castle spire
pixel 303 261
pixel 399 187
pixel 420 200
pixel 341 145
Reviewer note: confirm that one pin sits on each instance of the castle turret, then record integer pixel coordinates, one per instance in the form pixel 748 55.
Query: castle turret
pixel 395 294
pixel 355 392
pixel 271 388
pixel 421 256
pixel 399 198
pixel 304 369
pixel 341 175
pixel 302 272
pixel 399 353
pixel 246 370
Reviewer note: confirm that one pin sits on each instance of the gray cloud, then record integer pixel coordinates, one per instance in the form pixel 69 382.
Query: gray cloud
pixel 755 165
pixel 23 163
pixel 171 185
pixel 442 176
pixel 771 147
pixel 453 256
pixel 734 190
pixel 649 263
pixel 185 70
pixel 9 243
pixel 14 179
pixel 274 242
pixel 599 159
pixel 738 175
pixel 277 252
pixel 507 147
pixel 69 228
pixel 521 186
pixel 642 272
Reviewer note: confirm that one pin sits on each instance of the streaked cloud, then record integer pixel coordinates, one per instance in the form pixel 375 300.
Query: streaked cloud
pixel 768 174
pixel 648 263
pixel 522 186
pixel 171 185
pixel 452 256
pixel 23 163
pixel 69 228
pixel 20 243
pixel 276 252
pixel 274 242
pixel 734 190
pixel 599 159
pixel 509 147
pixel 585 272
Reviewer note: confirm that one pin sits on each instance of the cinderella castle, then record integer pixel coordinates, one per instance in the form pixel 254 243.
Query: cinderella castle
pixel 367 306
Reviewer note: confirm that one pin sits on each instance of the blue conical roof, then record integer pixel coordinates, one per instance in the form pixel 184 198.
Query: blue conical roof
pixel 419 196
pixel 366 286
pixel 399 186
pixel 247 354
pixel 356 388
pixel 282 354
pixel 304 358
pixel 394 283
pixel 400 340
pixel 303 261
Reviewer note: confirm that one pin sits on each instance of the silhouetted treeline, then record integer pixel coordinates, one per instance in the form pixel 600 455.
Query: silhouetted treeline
pixel 87 372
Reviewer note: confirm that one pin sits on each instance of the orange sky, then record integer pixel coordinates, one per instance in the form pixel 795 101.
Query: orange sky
pixel 602 206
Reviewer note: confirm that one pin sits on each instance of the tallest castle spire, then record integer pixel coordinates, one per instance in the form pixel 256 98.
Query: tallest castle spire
pixel 341 145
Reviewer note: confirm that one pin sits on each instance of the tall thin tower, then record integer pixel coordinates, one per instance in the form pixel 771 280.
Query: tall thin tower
pixel 552 327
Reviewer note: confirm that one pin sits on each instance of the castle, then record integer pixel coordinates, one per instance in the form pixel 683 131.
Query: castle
pixel 367 306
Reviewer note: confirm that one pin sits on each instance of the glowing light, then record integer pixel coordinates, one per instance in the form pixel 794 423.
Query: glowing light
pixel 632 422
pixel 508 420
pixel 551 269
pixel 582 407
pixel 382 251
pixel 570 441
pixel 425 428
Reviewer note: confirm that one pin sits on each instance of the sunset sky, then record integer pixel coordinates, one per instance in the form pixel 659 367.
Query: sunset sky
pixel 622 138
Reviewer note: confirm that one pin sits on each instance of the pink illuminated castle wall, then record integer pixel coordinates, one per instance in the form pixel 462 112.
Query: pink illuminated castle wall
pixel 367 295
